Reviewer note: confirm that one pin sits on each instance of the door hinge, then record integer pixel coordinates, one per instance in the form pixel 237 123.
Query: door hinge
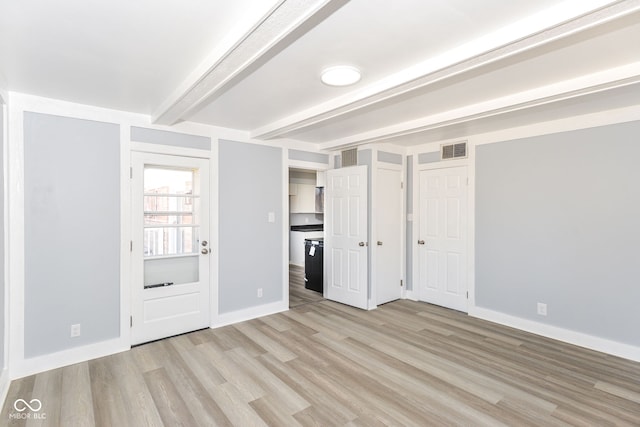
pixel 401 185
pixel 130 245
pixel 400 282
pixel 131 321
pixel 467 180
pixel 130 172
pixel 467 294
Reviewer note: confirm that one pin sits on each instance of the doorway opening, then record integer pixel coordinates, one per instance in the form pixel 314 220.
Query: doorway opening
pixel 306 236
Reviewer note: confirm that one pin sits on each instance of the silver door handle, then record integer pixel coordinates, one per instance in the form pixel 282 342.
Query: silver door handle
pixel 204 243
pixel 361 244
pixel 204 251
pixel 421 242
pixel 379 243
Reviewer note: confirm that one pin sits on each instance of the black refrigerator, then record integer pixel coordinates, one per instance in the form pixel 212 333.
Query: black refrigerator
pixel 313 264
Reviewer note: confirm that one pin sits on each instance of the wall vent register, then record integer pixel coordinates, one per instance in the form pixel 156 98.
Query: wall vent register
pixel 349 157
pixel 453 151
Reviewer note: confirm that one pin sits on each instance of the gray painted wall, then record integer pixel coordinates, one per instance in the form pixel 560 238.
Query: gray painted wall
pixel 392 158
pixel 431 157
pixel 308 156
pixel 161 137
pixel 2 236
pixel 250 186
pixel 557 222
pixel 72 232
pixel 409 227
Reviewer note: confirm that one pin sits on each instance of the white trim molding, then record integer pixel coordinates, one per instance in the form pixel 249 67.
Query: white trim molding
pixel 615 348
pixel 4 113
pixel 5 382
pixel 250 313
pixel 34 365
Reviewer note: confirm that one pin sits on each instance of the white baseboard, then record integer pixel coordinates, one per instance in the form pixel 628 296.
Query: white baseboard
pixel 249 313
pixel 5 382
pixel 59 359
pixel 614 348
pixel 411 295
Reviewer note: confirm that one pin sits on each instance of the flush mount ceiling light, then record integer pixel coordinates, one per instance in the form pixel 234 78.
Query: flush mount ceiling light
pixel 341 75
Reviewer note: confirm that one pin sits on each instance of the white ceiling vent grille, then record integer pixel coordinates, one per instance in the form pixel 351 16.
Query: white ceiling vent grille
pixel 350 157
pixel 453 151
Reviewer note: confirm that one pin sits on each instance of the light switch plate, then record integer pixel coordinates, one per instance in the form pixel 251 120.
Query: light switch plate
pixel 271 217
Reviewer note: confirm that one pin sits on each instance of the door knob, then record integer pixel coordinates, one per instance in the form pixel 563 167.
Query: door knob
pixel 421 242
pixel 361 244
pixel 204 243
pixel 379 243
pixel 204 251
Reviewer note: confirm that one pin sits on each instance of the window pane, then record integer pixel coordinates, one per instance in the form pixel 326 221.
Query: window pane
pixel 153 219
pixel 167 181
pixel 168 204
pixel 170 241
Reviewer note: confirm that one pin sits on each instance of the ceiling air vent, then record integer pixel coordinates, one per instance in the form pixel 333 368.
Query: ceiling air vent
pixel 350 157
pixel 454 151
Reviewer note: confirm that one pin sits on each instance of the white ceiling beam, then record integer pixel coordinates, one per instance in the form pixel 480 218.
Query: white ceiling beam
pixel 285 22
pixel 573 88
pixel 568 17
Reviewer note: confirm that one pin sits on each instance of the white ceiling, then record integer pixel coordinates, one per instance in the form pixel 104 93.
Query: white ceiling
pixel 432 69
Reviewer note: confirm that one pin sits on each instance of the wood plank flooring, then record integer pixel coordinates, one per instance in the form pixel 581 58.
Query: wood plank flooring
pixel 298 294
pixel 325 364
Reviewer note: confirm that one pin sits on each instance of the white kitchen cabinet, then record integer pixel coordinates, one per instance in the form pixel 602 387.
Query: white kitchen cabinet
pixel 321 179
pixel 304 201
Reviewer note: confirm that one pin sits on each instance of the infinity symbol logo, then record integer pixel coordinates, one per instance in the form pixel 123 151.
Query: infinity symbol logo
pixel 21 405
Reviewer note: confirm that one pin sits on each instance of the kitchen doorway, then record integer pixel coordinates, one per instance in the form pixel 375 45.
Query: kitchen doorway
pixel 306 235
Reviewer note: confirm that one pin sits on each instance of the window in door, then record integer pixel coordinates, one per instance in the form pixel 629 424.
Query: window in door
pixel 171 225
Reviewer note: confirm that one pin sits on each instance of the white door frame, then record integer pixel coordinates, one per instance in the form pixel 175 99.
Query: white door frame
pixel 469 163
pixel 140 159
pixel 292 164
pixel 4 369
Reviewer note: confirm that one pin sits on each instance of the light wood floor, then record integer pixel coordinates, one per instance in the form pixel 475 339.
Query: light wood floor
pixel 298 294
pixel 325 364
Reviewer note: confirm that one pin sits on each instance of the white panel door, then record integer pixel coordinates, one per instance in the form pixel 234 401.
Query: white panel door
pixel 345 249
pixel 170 250
pixel 388 254
pixel 442 241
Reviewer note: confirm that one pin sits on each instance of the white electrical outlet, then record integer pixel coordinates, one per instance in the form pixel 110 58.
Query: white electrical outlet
pixel 75 330
pixel 542 309
pixel 259 292
pixel 271 217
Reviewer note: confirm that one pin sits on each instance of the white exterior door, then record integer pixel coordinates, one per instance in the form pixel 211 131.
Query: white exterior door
pixel 346 247
pixel 388 250
pixel 442 244
pixel 170 249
